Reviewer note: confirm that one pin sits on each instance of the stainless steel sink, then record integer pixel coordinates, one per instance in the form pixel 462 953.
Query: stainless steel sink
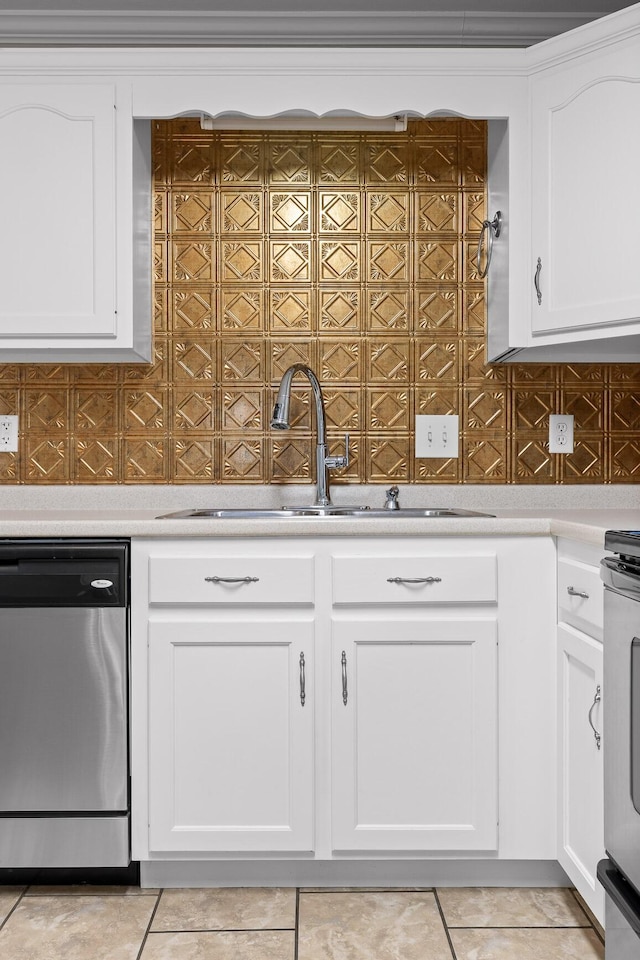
pixel 286 513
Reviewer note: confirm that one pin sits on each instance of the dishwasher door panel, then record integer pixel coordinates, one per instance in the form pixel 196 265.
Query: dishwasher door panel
pixel 63 709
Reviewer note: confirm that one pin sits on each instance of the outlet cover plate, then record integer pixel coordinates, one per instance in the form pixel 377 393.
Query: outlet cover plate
pixel 561 433
pixel 437 436
pixel 8 434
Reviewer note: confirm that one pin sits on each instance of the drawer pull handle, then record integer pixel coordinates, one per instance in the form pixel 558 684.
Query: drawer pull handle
pixel 232 579
pixel 596 736
pixel 303 681
pixel 577 593
pixel 414 579
pixel 345 693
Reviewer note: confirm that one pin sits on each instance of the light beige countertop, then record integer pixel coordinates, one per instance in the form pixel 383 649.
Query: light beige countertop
pixel 580 512
pixel 586 525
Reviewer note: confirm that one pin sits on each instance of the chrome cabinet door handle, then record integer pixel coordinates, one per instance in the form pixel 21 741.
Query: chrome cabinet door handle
pixel 232 579
pixel 345 692
pixel 414 579
pixel 577 593
pixel 490 229
pixel 596 736
pixel 536 281
pixel 303 681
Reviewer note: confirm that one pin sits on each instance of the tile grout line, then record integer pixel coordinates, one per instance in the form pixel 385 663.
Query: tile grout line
pixel 444 923
pixel 13 908
pixel 523 926
pixel 147 931
pixel 296 933
pixel 227 929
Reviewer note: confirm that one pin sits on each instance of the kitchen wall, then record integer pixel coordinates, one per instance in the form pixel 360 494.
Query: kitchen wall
pixel 351 253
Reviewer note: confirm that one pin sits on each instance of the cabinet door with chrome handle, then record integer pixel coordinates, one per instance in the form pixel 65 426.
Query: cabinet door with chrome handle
pixel 580 749
pixel 229 703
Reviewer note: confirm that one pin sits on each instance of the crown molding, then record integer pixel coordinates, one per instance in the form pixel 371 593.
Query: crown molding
pixel 189 28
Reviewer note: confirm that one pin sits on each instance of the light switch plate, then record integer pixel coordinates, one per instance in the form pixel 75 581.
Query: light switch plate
pixel 437 436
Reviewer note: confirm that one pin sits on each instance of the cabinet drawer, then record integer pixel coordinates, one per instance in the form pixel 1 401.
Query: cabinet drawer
pixel 219 579
pixel 397 579
pixel 580 596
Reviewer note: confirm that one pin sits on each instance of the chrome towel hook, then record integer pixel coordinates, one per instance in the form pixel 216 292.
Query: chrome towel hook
pixel 491 230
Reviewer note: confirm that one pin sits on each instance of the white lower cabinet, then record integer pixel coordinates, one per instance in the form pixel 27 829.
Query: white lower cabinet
pixel 329 698
pixel 230 735
pixel 581 710
pixel 581 771
pixel 415 750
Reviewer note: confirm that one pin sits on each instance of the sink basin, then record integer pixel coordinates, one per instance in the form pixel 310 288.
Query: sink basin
pixel 286 513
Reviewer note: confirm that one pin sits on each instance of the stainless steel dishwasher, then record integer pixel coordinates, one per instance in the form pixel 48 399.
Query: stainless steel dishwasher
pixel 64 781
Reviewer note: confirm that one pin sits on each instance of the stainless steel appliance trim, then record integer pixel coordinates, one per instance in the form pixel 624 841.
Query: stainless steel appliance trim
pixel 622 822
pixel 622 894
pixel 64 841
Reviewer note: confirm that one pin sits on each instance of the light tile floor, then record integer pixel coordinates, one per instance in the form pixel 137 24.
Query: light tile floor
pixel 126 923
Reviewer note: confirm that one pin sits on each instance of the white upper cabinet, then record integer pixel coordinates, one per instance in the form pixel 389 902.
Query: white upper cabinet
pixel 585 121
pixel 564 136
pixel 57 248
pixel 66 198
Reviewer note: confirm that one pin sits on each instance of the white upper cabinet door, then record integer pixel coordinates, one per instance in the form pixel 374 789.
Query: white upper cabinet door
pixel 58 211
pixel 414 741
pixel 586 190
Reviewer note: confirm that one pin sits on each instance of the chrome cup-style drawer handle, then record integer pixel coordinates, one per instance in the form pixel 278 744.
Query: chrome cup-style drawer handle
pixel 596 736
pixel 414 579
pixel 231 579
pixel 577 593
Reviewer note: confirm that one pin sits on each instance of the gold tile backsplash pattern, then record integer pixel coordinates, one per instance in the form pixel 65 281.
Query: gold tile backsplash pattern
pixel 348 252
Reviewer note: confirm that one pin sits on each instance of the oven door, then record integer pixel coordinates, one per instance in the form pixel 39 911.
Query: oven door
pixel 621 681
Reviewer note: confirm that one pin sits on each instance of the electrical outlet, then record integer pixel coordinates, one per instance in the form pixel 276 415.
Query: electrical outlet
pixel 560 433
pixel 437 436
pixel 8 434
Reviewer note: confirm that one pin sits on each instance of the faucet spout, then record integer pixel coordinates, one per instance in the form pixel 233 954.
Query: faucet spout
pixel 280 421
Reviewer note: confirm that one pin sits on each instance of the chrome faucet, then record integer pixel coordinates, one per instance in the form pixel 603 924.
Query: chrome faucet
pixel 280 421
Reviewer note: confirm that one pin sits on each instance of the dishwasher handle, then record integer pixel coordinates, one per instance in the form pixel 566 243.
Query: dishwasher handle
pixel 64 581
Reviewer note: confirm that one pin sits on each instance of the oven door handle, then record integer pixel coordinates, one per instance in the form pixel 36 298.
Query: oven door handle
pixel 616 575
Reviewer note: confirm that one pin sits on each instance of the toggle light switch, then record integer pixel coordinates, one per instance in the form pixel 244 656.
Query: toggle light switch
pixel 437 436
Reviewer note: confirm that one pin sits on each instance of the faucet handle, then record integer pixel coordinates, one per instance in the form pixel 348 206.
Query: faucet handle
pixel 392 495
pixel 338 463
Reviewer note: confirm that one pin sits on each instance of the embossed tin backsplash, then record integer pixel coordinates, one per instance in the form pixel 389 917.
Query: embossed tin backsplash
pixel 351 253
